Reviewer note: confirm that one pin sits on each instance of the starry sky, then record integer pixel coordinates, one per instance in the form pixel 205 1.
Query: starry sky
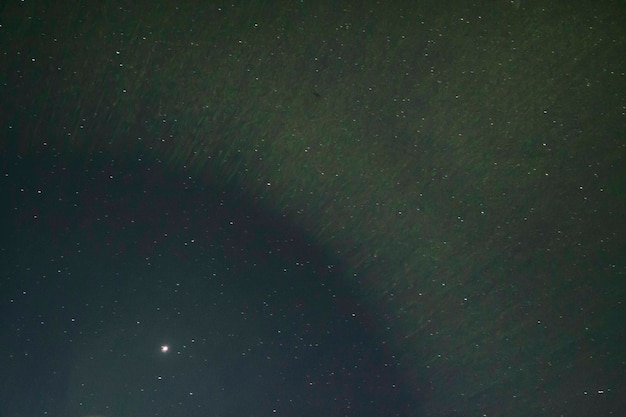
pixel 312 208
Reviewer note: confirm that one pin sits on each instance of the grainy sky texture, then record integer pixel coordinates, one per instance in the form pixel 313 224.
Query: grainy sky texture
pixel 312 208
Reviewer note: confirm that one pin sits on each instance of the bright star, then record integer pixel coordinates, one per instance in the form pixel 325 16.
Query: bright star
pixel 164 348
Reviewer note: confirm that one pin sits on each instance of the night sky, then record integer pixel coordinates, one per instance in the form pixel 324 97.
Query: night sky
pixel 312 208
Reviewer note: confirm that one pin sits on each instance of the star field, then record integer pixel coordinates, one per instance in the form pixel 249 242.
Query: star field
pixel 315 208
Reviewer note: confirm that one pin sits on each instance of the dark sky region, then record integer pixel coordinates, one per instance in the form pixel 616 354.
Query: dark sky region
pixel 312 208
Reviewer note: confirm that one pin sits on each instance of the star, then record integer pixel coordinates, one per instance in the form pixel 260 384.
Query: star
pixel 164 348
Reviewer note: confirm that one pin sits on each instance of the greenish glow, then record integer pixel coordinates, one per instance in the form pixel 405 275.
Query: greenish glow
pixel 461 160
